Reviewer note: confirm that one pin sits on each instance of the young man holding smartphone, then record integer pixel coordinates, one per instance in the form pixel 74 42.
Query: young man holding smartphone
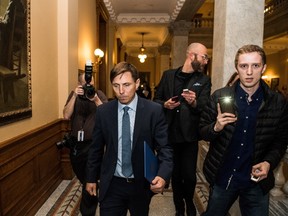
pixel 247 146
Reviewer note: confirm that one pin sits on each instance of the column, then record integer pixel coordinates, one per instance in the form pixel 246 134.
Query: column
pixel 111 56
pixel 180 31
pixel 164 52
pixel 162 64
pixel 236 23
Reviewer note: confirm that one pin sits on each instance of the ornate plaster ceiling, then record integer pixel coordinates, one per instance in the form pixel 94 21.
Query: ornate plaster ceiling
pixel 153 16
pixel 150 16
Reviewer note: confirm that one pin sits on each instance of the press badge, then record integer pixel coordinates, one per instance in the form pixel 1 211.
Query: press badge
pixel 80 135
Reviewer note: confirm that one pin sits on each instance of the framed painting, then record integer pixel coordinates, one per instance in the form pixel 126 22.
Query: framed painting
pixel 15 61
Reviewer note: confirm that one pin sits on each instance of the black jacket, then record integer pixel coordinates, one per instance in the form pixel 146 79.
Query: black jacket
pixel 189 116
pixel 271 136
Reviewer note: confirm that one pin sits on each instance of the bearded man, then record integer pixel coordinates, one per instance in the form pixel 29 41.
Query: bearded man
pixel 183 93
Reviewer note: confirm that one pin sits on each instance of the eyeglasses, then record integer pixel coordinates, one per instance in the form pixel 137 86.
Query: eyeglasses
pixel 204 57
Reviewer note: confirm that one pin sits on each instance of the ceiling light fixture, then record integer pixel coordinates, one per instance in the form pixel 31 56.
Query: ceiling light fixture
pixel 142 48
pixel 142 56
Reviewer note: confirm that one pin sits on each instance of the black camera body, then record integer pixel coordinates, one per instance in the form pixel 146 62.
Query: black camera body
pixel 65 142
pixel 89 90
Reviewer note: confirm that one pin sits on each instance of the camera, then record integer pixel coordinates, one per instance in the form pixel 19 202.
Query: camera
pixel 89 90
pixel 65 142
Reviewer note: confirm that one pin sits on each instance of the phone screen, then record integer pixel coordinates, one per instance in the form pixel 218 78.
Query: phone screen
pixel 175 98
pixel 226 104
pixel 186 90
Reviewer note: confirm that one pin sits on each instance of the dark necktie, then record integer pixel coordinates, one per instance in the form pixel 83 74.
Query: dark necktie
pixel 126 144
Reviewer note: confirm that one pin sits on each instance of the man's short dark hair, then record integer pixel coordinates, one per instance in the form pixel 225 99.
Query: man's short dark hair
pixel 123 67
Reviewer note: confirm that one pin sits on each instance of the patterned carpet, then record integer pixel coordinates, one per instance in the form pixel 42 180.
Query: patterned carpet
pixel 67 204
pixel 278 206
pixel 201 196
pixel 69 201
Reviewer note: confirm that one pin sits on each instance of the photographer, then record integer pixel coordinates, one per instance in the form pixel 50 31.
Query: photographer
pixel 80 109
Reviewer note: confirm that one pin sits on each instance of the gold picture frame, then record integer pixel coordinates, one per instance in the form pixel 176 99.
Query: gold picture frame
pixel 15 61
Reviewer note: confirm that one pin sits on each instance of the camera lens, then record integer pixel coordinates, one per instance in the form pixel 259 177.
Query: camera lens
pixel 89 91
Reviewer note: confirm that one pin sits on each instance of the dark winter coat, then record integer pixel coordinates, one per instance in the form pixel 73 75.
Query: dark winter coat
pixel 271 136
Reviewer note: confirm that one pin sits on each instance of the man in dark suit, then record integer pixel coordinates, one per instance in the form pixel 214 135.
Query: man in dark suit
pixel 119 191
pixel 183 93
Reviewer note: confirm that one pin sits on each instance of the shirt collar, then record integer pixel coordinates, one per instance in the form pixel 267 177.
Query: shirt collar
pixel 243 95
pixel 132 105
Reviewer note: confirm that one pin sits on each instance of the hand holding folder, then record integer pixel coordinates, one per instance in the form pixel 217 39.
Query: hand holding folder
pixel 150 163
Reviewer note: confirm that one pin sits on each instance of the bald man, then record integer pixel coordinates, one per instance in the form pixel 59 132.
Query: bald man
pixel 183 93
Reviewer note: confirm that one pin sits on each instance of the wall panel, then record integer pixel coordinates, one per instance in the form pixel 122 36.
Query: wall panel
pixel 31 169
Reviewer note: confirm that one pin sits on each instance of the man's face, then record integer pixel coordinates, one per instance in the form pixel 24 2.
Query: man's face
pixel 250 69
pixel 125 87
pixel 199 60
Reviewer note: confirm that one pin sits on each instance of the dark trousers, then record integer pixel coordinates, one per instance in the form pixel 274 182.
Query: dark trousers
pixel 252 201
pixel 78 157
pixel 184 176
pixel 123 196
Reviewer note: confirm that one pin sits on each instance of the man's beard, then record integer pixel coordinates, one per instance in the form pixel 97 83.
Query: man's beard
pixel 196 65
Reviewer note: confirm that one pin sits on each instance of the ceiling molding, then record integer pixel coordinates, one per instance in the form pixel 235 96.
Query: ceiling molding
pixel 147 44
pixel 110 9
pixel 177 9
pixel 143 17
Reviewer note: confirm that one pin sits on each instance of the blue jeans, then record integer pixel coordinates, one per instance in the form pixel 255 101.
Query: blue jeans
pixel 252 201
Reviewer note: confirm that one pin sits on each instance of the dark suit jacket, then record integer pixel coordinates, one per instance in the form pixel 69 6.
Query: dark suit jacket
pixel 189 116
pixel 150 126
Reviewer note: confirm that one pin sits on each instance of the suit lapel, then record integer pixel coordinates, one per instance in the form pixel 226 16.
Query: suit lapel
pixel 171 80
pixel 114 124
pixel 138 121
pixel 171 83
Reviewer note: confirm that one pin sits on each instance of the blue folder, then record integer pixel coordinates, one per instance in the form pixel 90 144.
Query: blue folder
pixel 150 163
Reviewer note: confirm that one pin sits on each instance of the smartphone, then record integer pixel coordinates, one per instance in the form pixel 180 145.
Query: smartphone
pixel 226 104
pixel 185 90
pixel 175 98
pixel 255 179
